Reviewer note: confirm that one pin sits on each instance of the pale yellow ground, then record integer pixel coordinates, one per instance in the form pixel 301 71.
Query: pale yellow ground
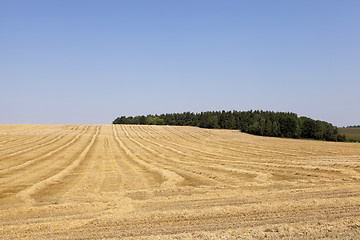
pixel 151 182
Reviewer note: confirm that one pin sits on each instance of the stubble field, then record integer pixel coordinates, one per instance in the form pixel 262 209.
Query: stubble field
pixel 151 182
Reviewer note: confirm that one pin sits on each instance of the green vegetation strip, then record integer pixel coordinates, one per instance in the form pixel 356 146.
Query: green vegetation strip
pixel 351 133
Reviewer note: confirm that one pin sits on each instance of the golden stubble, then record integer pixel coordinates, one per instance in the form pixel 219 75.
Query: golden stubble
pixel 151 182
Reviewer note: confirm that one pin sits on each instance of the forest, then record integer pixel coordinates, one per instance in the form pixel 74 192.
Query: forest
pixel 262 123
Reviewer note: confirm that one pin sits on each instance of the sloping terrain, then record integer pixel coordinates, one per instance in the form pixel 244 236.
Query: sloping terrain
pixel 351 133
pixel 150 182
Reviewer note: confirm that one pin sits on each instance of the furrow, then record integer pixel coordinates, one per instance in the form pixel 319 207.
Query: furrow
pixel 35 147
pixel 171 177
pixel 133 172
pixel 47 155
pixel 27 193
pixel 203 167
pixel 189 176
pixel 23 141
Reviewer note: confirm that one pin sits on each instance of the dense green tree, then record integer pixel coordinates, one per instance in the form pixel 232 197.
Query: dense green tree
pixel 289 126
pixel 142 120
pixel 309 127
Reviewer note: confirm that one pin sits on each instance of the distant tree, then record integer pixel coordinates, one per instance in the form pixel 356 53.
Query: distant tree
pixel 142 120
pixel 264 123
pixel 276 132
pixel 289 126
pixel 309 127
pixel 341 138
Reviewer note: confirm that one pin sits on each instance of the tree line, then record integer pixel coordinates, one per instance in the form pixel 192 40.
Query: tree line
pixel 262 123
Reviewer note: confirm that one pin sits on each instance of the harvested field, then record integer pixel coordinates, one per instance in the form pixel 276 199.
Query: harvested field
pixel 150 182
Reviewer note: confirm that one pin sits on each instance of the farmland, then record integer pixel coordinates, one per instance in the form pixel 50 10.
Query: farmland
pixel 350 133
pixel 150 182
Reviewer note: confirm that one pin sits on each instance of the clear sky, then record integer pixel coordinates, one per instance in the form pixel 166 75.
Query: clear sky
pixel 88 61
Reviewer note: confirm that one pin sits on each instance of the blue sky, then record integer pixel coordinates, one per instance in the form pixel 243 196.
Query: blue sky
pixel 77 62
